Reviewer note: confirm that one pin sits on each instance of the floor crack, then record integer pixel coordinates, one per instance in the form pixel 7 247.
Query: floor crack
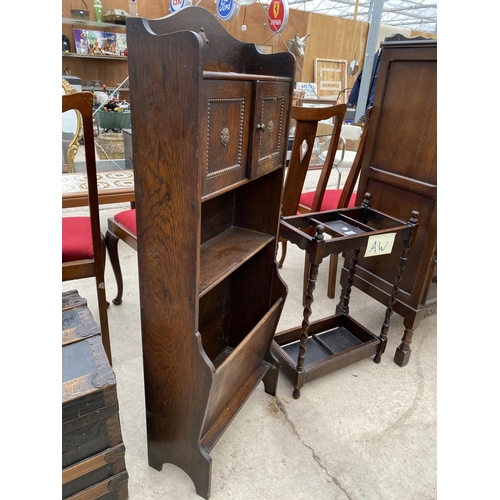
pixel 316 458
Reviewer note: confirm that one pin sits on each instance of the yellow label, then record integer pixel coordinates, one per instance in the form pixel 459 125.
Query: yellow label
pixel 380 244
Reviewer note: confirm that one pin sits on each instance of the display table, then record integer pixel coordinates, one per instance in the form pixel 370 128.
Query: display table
pixel 316 349
pixel 116 186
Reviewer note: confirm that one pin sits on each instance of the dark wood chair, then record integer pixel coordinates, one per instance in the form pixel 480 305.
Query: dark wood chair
pixel 83 248
pixel 332 199
pixel 321 199
pixel 306 125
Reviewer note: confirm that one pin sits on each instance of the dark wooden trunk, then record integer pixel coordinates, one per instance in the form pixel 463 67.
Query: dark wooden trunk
pixel 92 448
pixel 93 470
pixel 112 488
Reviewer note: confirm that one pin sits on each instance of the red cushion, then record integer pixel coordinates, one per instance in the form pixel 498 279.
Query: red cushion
pixel 76 239
pixel 127 219
pixel 330 200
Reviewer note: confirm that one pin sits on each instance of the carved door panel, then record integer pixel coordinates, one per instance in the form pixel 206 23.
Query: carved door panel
pixel 225 129
pixel 268 132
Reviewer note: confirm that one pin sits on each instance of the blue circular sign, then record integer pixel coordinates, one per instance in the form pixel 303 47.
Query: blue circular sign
pixel 227 10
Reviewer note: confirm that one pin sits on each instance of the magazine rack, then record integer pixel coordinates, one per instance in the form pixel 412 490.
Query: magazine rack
pixel 316 349
pixel 209 147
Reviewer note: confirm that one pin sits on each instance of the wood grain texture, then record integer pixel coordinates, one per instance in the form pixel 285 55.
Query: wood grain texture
pixel 207 215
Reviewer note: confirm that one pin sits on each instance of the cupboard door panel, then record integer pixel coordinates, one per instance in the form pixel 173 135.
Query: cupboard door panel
pixel 224 132
pixel 269 130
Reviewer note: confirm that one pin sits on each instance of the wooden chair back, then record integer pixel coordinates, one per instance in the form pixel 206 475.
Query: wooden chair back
pixel 306 125
pixel 70 145
pixel 296 181
pixel 352 177
pixel 83 103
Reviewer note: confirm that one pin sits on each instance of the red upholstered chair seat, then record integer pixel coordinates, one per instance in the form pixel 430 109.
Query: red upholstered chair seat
pixel 127 219
pixel 76 239
pixel 330 200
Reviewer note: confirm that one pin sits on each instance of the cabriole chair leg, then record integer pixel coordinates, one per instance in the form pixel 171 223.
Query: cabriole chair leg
pixel 112 246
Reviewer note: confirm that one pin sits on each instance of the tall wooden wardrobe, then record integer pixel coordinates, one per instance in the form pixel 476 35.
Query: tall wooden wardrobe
pixel 399 169
pixel 209 130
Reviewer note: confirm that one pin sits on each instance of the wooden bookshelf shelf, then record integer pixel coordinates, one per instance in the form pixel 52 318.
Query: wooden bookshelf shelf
pixel 226 252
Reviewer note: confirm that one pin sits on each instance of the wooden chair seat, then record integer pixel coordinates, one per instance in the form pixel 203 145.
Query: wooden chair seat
pixel 330 200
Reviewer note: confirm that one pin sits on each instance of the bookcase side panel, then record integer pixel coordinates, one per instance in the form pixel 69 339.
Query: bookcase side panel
pixel 176 373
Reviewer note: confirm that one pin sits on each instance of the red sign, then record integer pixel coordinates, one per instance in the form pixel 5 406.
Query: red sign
pixel 278 15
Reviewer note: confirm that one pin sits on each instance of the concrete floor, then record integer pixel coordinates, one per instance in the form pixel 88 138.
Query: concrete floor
pixel 367 431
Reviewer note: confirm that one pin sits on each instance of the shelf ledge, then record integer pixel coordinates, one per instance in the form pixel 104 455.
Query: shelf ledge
pixel 221 255
pixel 95 56
pixel 94 24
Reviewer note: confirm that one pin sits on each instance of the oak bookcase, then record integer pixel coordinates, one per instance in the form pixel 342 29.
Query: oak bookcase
pixel 209 146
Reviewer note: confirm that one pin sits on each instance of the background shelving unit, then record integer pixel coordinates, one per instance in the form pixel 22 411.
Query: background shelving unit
pixel 106 69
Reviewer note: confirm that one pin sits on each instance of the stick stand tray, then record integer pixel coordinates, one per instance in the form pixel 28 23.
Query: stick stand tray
pixel 315 349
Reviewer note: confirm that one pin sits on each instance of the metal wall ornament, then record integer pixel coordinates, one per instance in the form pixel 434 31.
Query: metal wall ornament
pixel 353 68
pixel 244 3
pixel 297 45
